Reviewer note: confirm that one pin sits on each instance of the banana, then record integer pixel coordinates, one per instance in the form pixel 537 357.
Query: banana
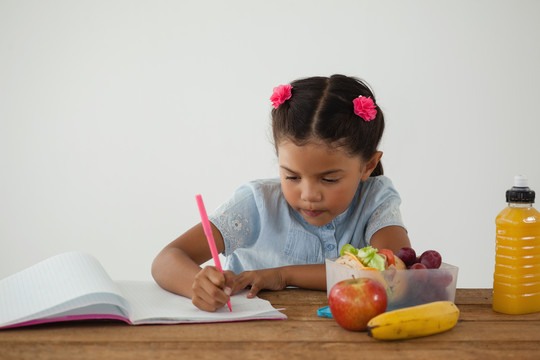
pixel 414 321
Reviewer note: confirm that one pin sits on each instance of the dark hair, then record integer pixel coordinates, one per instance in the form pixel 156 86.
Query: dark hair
pixel 322 108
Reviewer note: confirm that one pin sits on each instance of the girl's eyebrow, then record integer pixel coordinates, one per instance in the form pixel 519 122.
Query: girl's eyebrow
pixel 333 171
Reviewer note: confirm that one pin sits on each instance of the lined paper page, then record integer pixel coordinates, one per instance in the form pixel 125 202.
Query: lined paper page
pixel 54 286
pixel 152 304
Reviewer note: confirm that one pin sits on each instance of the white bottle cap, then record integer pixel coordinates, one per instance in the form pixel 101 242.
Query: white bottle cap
pixel 520 181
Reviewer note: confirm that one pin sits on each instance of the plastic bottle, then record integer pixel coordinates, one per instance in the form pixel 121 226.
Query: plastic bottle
pixel 516 281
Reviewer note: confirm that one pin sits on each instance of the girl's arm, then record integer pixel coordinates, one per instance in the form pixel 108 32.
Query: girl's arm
pixel 390 237
pixel 177 269
pixel 313 276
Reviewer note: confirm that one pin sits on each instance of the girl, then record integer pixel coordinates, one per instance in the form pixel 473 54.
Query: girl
pixel 331 192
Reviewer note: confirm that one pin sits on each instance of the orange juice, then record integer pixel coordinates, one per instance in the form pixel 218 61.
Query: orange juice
pixel 516 281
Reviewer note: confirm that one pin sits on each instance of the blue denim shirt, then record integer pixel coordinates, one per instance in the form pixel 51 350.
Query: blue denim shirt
pixel 261 230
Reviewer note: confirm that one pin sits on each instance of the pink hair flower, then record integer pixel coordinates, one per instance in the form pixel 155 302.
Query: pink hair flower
pixel 365 108
pixel 281 94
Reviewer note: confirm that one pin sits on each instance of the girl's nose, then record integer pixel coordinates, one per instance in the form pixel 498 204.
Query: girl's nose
pixel 311 193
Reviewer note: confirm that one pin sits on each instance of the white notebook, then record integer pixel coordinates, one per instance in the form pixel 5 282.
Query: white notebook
pixel 75 286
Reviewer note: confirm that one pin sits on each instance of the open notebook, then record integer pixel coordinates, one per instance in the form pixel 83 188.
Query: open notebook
pixel 75 286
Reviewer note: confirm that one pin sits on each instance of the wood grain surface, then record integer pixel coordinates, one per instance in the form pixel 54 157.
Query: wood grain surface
pixel 481 333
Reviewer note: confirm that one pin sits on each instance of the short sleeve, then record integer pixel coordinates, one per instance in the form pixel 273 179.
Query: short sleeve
pixel 386 214
pixel 386 201
pixel 238 220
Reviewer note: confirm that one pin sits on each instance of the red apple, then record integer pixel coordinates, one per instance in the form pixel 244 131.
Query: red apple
pixel 354 302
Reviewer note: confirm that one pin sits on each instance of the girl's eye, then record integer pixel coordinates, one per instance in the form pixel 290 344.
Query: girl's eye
pixel 292 178
pixel 330 180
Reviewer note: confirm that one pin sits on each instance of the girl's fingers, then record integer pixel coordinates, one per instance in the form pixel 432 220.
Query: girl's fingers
pixel 208 292
pixel 242 281
pixel 230 278
pixel 203 305
pixel 253 291
pixel 251 279
pixel 270 279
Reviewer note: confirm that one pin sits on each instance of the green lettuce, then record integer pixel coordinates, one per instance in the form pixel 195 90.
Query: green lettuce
pixel 348 248
pixel 368 256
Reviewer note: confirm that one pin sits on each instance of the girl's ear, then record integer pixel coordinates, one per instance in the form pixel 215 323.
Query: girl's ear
pixel 371 165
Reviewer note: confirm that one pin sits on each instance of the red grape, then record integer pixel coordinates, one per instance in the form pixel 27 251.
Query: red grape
pixel 420 272
pixel 407 255
pixel 431 259
pixel 433 293
pixel 441 278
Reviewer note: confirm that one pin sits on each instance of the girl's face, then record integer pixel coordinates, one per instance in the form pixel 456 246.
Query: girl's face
pixel 318 181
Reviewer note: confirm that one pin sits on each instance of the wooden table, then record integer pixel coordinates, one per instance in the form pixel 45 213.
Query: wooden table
pixel 480 334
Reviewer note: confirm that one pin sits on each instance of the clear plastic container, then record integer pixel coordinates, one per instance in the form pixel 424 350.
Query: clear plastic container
pixel 516 280
pixel 403 287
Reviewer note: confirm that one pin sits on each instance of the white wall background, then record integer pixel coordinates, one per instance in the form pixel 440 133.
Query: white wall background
pixel 114 114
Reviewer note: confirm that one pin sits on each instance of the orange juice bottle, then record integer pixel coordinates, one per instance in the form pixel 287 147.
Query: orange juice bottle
pixel 516 281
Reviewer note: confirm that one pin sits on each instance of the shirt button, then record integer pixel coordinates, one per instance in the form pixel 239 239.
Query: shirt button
pixel 330 247
pixel 329 226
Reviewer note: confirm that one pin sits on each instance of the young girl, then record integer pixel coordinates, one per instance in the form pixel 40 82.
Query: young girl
pixel 331 192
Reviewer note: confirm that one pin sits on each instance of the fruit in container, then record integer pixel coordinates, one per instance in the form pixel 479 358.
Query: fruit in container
pixel 431 259
pixel 417 285
pixel 416 266
pixel 407 255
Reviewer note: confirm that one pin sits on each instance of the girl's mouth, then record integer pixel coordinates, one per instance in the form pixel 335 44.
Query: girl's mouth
pixel 312 213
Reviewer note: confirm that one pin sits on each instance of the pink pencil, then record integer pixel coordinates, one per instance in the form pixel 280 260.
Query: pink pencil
pixel 210 237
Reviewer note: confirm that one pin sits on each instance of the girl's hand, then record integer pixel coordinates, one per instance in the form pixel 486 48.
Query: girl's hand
pixel 271 279
pixel 211 288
